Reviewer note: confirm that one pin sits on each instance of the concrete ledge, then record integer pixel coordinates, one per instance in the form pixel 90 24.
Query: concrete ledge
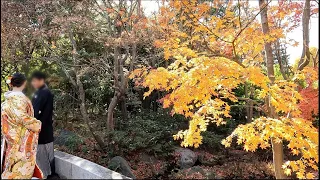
pixel 72 167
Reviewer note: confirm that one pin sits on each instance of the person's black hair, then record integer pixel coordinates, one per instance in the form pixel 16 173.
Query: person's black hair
pixel 38 75
pixel 18 79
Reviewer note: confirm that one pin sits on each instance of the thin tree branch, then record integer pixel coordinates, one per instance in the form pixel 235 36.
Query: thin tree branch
pixel 261 9
pixel 239 13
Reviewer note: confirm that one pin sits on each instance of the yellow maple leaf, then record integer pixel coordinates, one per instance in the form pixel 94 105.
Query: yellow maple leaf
pixel 310 176
pixel 300 175
pixel 295 44
pixel 287 172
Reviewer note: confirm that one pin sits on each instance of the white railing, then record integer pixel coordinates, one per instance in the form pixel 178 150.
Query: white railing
pixel 68 166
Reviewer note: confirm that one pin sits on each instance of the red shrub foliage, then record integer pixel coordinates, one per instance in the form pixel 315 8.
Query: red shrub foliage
pixel 309 106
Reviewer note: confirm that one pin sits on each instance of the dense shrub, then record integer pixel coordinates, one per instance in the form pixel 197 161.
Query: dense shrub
pixel 151 131
pixel 212 141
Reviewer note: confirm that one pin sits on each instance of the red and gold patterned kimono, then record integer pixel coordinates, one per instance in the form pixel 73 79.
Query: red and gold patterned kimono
pixel 20 131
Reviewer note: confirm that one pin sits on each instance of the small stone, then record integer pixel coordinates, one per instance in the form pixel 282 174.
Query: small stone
pixel 120 165
pixel 187 157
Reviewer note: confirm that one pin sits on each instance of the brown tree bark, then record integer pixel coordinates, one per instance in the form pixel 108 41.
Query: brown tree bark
pixel 305 57
pixel 77 83
pixel 316 60
pixel 120 87
pixel 120 78
pixel 281 65
pixel 121 70
pixel 85 115
pixel 116 96
pixel 124 111
pixel 112 106
pixel 249 104
pixel 277 147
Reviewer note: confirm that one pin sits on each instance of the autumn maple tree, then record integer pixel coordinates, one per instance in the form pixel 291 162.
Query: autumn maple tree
pixel 213 51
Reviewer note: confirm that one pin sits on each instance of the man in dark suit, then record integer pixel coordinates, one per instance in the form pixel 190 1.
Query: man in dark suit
pixel 42 102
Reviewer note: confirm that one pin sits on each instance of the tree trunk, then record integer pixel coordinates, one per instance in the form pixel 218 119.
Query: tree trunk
pixel 155 98
pixel 112 106
pixel 124 109
pixel 84 113
pixel 281 65
pixel 123 86
pixel 277 148
pixel 78 83
pixel 305 57
pixel 249 102
pixel 146 102
pixel 315 60
pixel 250 115
pixel 115 99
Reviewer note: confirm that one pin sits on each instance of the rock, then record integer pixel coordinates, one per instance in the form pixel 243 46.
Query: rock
pixel 121 166
pixel 68 139
pixel 187 158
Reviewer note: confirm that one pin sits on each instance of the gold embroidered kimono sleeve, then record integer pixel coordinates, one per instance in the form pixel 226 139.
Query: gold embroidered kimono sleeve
pixel 20 130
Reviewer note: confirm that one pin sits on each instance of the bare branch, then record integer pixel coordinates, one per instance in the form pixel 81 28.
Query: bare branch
pixel 261 9
pixel 239 13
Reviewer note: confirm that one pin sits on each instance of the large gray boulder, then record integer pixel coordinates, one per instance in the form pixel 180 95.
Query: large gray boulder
pixel 121 166
pixel 187 158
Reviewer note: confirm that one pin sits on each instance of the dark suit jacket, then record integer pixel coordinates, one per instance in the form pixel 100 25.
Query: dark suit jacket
pixel 42 102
